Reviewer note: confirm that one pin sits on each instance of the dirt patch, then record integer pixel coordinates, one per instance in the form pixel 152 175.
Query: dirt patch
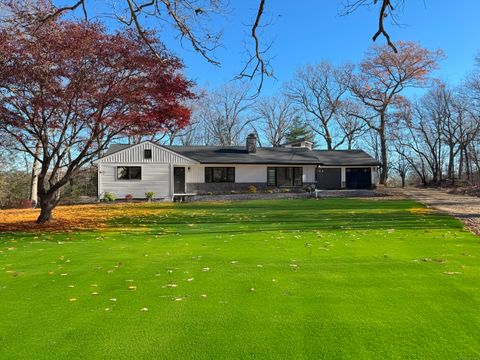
pixel 78 217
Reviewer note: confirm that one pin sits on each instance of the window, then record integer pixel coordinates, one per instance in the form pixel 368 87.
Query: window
pixel 129 173
pixel 284 176
pixel 147 153
pixel 219 174
pixel 272 176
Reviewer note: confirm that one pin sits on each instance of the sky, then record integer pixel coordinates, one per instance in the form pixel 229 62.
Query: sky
pixel 315 31
pixel 309 31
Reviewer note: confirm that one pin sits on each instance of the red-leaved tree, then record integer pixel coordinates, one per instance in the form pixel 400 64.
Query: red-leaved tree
pixel 73 87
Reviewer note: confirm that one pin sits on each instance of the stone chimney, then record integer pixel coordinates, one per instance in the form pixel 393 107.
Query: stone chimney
pixel 252 143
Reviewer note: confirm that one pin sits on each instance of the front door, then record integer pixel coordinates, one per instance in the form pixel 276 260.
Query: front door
pixel 179 180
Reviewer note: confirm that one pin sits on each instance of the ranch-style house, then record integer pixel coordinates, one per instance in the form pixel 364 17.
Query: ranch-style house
pixel 171 171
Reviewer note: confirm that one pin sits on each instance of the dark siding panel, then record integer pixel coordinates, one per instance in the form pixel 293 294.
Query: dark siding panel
pixel 358 178
pixel 329 178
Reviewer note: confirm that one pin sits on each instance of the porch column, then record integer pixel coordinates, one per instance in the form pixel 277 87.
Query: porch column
pixel 344 177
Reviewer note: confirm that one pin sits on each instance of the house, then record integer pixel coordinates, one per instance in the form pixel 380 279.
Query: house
pixel 171 170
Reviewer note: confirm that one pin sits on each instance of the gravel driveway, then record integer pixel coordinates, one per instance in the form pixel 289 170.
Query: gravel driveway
pixel 463 207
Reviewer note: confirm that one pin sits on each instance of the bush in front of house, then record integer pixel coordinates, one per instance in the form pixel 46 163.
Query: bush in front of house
pixel 252 189
pixel 129 197
pixel 269 191
pixel 108 196
pixel 149 195
pixel 309 189
pixel 285 190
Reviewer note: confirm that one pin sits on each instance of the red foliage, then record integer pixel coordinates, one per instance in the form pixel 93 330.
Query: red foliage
pixel 73 87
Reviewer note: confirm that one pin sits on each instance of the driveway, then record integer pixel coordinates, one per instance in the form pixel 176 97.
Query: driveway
pixel 463 207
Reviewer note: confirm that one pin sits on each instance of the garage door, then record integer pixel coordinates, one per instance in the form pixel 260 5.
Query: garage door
pixel 329 178
pixel 358 178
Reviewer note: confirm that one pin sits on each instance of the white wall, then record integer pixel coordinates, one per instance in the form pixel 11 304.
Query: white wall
pixel 245 173
pixel 134 154
pixel 155 177
pixel 156 172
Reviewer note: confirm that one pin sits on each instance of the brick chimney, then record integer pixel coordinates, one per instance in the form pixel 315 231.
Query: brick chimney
pixel 252 143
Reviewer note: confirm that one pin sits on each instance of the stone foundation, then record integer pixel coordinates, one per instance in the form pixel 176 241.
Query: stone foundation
pixel 227 188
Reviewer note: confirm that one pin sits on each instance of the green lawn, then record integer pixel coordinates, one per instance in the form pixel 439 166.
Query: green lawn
pixel 285 279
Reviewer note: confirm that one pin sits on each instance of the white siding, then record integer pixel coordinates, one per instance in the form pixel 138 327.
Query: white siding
pixel 156 172
pixel 134 154
pixel 155 177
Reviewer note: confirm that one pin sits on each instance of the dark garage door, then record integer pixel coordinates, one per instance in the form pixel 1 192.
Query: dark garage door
pixel 329 178
pixel 359 178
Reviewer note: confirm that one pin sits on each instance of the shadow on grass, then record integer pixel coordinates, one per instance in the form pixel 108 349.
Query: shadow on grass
pixel 254 216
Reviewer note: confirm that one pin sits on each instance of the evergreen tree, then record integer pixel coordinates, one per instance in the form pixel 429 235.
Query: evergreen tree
pixel 300 130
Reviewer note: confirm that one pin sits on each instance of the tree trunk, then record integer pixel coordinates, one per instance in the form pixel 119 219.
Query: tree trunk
pixel 34 182
pixel 47 203
pixel 460 164
pixel 384 160
pixel 451 163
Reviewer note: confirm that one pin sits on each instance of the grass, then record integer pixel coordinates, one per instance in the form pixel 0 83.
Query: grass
pixel 284 279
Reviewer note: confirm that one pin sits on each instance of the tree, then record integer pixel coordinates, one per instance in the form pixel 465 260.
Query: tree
pixel 74 87
pixel 300 130
pixel 195 22
pixel 319 91
pixel 382 77
pixel 224 114
pixel 275 115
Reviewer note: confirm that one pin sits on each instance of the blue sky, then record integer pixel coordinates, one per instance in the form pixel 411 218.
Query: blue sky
pixel 308 31
pixel 315 31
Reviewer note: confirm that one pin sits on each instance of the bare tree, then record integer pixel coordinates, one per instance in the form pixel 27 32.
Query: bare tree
pixel 319 91
pixel 383 76
pixel 275 116
pixel 224 113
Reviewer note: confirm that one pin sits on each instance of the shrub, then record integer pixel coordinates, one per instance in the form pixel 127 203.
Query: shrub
pixel 149 195
pixel 233 192
pixel 108 196
pixel 25 204
pixel 309 189
pixel 129 197
pixel 270 191
pixel 252 189
pixel 285 190
pixel 209 193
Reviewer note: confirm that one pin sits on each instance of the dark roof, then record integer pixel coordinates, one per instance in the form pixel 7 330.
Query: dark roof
pixel 274 155
pixel 266 155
